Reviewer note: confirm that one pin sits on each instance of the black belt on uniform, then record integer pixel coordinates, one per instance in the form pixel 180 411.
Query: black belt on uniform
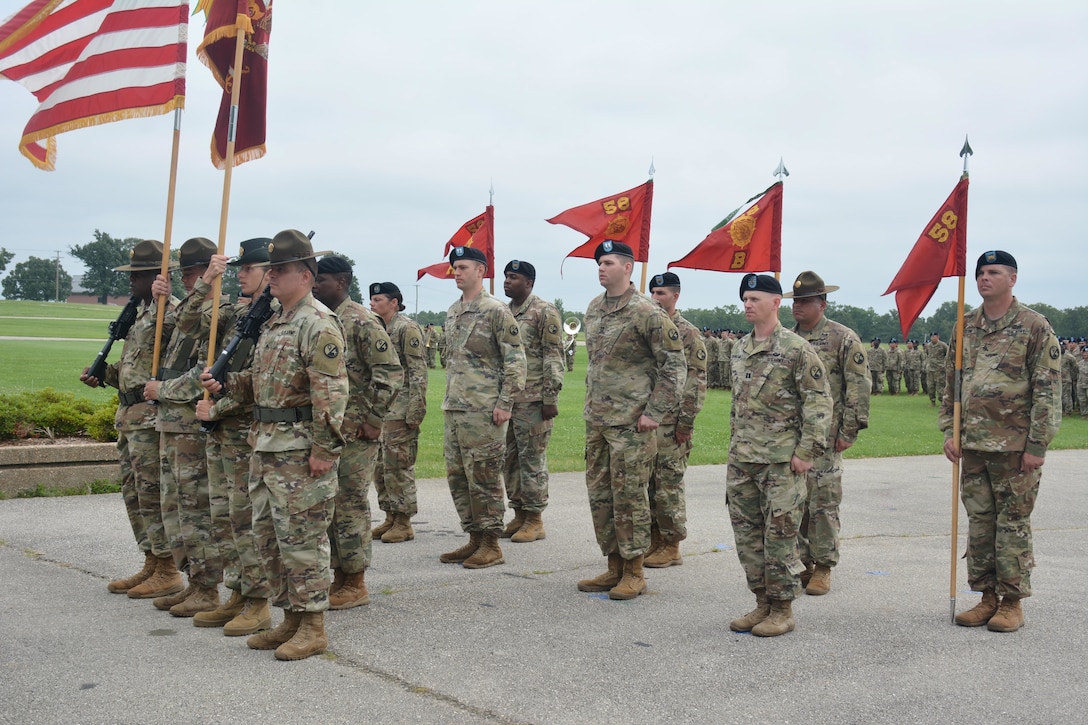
pixel 282 415
pixel 132 397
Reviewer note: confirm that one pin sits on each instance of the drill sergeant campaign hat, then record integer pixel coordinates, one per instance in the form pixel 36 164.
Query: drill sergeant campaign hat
pixel 759 283
pixel 994 257
pixel 390 290
pixel 610 246
pixel 467 253
pixel 519 267
pixel 667 279
pixel 291 245
pixel 252 251
pixel 145 256
pixel 197 252
pixel 809 284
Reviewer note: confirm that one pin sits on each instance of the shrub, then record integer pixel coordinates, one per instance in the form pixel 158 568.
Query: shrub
pixel 48 413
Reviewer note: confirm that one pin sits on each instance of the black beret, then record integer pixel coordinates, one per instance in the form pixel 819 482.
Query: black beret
pixel 332 264
pixel 893 341
pixel 467 253
pixel 517 266
pixel 994 257
pixel 934 334
pixel 390 290
pixel 668 279
pixel 609 246
pixel 759 283
pixel 876 339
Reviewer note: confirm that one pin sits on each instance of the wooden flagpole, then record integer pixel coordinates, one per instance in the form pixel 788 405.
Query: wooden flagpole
pixel 160 304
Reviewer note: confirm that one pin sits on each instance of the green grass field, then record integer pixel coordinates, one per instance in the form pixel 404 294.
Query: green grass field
pixel 898 425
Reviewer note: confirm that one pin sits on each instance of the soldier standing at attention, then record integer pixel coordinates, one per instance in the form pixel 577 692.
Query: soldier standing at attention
pixel 484 373
pixel 137 439
pixel 1010 411
pixel 725 374
pixel 634 378
pixel 1082 382
pixel 713 350
pixel 430 338
pixel 668 507
pixel 374 377
pixel 936 355
pixel 570 346
pixel 525 471
pixel 1069 376
pixel 914 361
pixel 395 471
pixel 779 424
pixel 299 388
pixel 877 365
pixel 895 363
pixel 843 355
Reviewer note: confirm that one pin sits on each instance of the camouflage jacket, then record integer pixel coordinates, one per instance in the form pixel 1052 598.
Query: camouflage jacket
pixel 694 395
pixel 878 359
pixel 636 361
pixel 713 349
pixel 843 355
pixel 1011 385
pixel 410 405
pixel 298 362
pixel 185 357
pixel 915 359
pixel 485 365
pixel 726 347
pixel 936 355
pixel 539 324
pixel 782 406
pixel 132 371
pixel 1069 366
pixel 1082 375
pixel 374 371
pixel 895 361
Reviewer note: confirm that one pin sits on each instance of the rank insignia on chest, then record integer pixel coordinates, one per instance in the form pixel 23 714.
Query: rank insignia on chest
pixel 331 351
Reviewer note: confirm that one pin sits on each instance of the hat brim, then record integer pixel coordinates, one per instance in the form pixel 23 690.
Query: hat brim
pixel 270 263
pixel 249 258
pixel 827 288
pixel 145 268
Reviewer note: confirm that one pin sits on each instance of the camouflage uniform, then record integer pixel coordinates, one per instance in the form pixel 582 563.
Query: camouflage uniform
pixel 895 362
pixel 936 355
pixel 374 376
pixel 1010 406
pixel 636 367
pixel 1082 386
pixel 877 363
pixel 298 375
pixel 725 369
pixel 782 407
pixel 915 359
pixel 843 355
pixel 430 339
pixel 525 470
pixel 395 472
pixel 485 370
pixel 1069 381
pixel 570 346
pixel 137 439
pixel 713 350
pixel 668 508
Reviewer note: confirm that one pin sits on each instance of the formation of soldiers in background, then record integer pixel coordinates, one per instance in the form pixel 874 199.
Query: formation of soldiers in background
pixel 264 485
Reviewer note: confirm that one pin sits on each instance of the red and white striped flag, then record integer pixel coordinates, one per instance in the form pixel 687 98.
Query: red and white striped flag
pixel 93 61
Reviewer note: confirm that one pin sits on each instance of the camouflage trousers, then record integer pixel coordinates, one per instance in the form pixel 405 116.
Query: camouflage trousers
pixel 349 533
pixel 1068 396
pixel 292 511
pixel 713 375
pixel 726 375
pixel 818 537
pixel 395 469
pixel 130 495
pixel 232 512
pixel 935 384
pixel 186 507
pixel 668 508
pixel 1082 397
pixel 430 356
pixel 618 464
pixel 474 447
pixel 144 461
pixel 913 378
pixel 525 471
pixel 766 502
pixel 895 381
pixel 999 499
pixel 878 382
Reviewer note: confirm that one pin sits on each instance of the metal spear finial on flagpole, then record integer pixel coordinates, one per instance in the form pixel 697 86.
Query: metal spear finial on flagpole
pixel 781 172
pixel 966 153
pixel 491 194
pixel 652 170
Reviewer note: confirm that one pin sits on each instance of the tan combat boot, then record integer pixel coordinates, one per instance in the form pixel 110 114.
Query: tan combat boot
pixel 606 581
pixel 352 594
pixel 779 621
pixel 515 524
pixel 223 613
pixel 338 577
pixel 820 583
pixel 309 639
pixel 754 617
pixel 531 530
pixel 252 619
pixel 668 554
pixel 273 638
pixel 981 613
pixel 401 530
pixel 656 542
pixel 203 599
pixel 458 555
pixel 633 582
pixel 120 586
pixel 1009 617
pixel 166 580
pixel 806 575
pixel 164 603
pixel 489 554
pixel 379 531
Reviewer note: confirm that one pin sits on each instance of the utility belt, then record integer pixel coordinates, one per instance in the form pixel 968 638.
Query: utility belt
pixel 132 397
pixel 283 415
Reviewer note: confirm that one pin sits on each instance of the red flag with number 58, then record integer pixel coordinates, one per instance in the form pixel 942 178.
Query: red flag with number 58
pixel 940 252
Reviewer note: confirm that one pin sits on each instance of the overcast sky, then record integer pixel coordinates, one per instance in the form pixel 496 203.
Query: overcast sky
pixel 387 122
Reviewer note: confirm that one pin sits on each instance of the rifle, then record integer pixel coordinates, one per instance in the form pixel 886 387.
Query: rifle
pixel 247 327
pixel 118 331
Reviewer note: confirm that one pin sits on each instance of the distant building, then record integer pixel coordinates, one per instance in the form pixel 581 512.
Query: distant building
pixel 83 296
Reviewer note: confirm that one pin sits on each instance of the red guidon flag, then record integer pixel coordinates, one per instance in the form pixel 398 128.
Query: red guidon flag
pixel 940 252
pixel 226 18
pixel 479 233
pixel 751 242
pixel 442 270
pixel 93 61
pixel 623 217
